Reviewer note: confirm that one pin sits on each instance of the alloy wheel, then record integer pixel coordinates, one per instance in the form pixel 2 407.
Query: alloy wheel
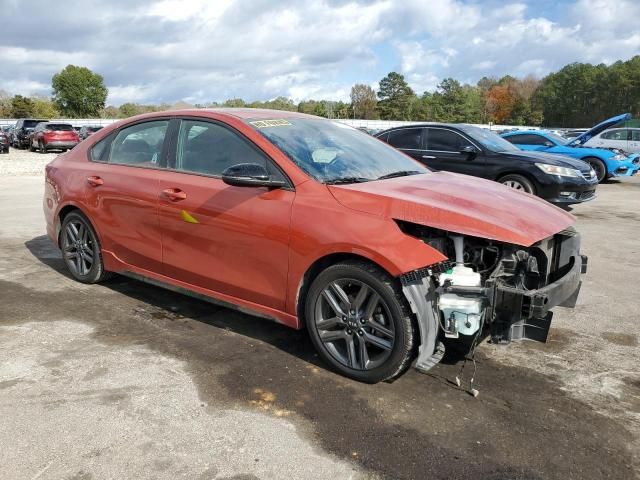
pixel 78 248
pixel 516 185
pixel 354 324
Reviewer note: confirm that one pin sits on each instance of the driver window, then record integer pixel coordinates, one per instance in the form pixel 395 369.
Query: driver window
pixel 209 149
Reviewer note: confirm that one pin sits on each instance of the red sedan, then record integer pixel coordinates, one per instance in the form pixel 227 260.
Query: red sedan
pixel 313 224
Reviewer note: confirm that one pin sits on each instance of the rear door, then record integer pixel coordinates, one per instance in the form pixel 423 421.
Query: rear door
pixel 634 143
pixel 409 140
pixel 445 151
pixel 122 184
pixel 227 239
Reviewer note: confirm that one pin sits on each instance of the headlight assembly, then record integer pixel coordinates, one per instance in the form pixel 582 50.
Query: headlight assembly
pixel 560 171
pixel 619 157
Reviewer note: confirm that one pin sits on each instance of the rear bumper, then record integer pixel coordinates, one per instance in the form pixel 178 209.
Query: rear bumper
pixel 59 145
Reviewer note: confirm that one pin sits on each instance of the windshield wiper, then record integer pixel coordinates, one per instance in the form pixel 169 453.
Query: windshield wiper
pixel 343 180
pixel 401 173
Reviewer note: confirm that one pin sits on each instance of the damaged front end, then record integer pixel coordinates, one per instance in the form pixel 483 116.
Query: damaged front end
pixel 492 288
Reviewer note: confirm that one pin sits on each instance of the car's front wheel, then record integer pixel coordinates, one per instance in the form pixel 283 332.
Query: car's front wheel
pixel 360 322
pixel 518 182
pixel 598 166
pixel 81 249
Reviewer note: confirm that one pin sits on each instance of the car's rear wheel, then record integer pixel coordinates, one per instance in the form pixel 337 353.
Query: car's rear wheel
pixel 81 249
pixel 599 167
pixel 360 322
pixel 518 182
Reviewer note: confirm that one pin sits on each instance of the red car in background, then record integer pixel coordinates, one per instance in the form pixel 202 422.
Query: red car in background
pixel 4 142
pixel 53 136
pixel 315 225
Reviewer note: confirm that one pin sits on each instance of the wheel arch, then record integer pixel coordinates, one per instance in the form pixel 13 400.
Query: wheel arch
pixel 66 210
pixel 522 173
pixel 316 268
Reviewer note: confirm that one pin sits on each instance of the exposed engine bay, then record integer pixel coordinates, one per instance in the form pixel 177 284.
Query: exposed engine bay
pixel 486 287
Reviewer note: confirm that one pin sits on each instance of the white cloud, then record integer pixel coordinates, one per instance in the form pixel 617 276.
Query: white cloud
pixel 202 51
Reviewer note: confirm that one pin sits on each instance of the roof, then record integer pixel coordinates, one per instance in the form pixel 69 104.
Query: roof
pixel 258 113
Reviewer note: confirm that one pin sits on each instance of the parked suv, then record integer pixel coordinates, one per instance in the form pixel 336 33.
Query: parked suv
pixel 22 131
pixel 53 136
pixel 481 153
pixel 88 130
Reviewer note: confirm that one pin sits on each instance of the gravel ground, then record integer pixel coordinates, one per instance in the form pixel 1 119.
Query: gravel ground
pixel 24 162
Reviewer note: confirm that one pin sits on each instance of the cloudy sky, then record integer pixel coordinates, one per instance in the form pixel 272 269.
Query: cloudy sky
pixel 201 51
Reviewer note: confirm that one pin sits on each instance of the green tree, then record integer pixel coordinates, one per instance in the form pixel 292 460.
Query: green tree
pixel 234 103
pixel 21 107
pixel 363 102
pixel 44 108
pixel 78 92
pixel 396 97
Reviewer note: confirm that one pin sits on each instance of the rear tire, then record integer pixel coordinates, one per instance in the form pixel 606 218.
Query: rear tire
pixel 518 182
pixel 359 322
pixel 599 166
pixel 81 249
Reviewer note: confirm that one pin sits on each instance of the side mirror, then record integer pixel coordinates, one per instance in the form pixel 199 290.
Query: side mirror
pixel 250 175
pixel 470 151
pixel 548 144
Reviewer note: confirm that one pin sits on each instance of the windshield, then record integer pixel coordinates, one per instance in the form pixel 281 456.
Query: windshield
pixel 330 151
pixel 59 127
pixel 488 139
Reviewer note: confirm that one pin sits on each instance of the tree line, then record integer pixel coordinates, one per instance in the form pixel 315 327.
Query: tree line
pixel 580 94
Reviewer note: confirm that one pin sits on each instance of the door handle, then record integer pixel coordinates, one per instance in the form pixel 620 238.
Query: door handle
pixel 95 181
pixel 174 194
pixel 430 157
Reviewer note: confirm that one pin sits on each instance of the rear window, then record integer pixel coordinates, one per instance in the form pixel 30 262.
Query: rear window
pixel 31 123
pixel 65 127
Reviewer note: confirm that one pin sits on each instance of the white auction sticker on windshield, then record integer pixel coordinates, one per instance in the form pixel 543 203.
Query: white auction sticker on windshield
pixel 270 123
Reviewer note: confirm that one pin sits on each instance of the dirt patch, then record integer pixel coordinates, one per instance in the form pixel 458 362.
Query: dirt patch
pixel 623 339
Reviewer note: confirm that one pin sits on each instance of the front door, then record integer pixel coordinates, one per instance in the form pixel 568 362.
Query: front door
pixel 227 239
pixel 445 150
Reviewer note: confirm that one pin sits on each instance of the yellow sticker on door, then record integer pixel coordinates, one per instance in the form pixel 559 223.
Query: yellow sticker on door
pixel 187 217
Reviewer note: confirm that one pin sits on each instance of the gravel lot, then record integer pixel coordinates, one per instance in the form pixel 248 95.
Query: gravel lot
pixel 124 379
pixel 24 162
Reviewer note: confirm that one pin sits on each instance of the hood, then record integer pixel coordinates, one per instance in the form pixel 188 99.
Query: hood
pixel 550 158
pixel 457 203
pixel 602 126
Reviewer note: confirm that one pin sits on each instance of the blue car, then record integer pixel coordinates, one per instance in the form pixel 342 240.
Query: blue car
pixel 606 163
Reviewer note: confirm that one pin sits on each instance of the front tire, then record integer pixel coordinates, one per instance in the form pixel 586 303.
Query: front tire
pixel 518 182
pixel 81 249
pixel 359 322
pixel 599 167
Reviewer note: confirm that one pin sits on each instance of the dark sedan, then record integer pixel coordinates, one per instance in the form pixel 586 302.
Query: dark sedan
pixel 475 151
